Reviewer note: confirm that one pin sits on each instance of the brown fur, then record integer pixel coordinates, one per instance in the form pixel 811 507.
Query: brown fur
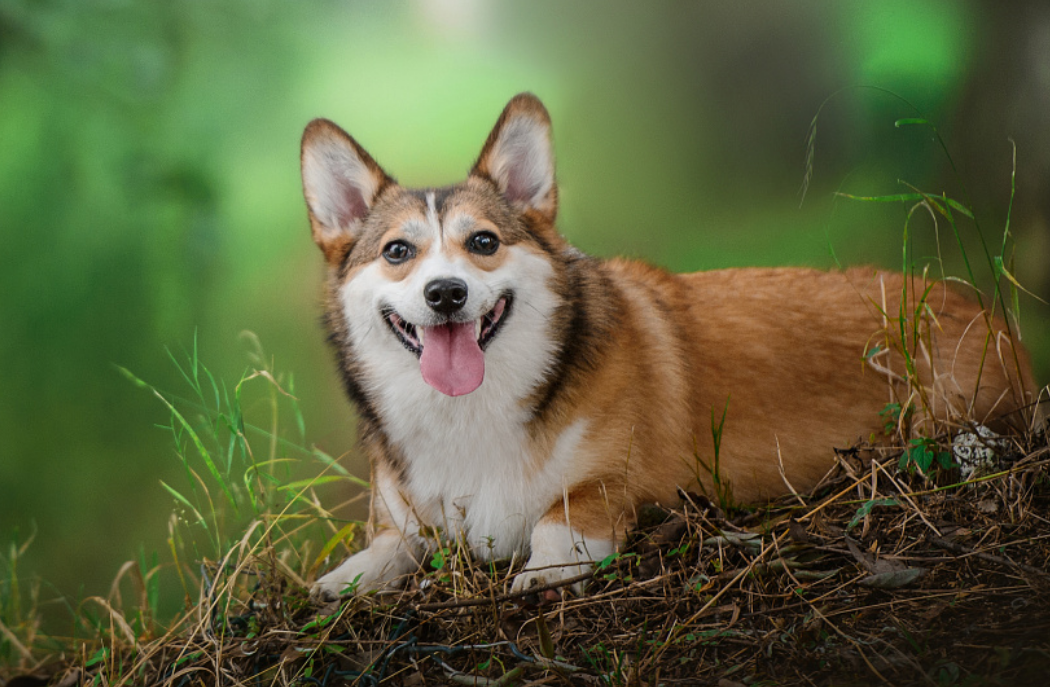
pixel 785 348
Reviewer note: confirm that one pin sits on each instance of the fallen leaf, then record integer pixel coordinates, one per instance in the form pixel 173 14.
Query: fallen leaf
pixel 875 566
pixel 892 580
pixel 798 532
pixel 988 506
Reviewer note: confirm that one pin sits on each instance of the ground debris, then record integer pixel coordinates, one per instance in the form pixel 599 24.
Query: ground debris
pixel 871 579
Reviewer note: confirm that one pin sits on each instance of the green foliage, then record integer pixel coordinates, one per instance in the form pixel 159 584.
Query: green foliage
pixel 721 484
pixel 622 562
pixel 925 455
pixel 895 421
pixel 915 317
pixel 908 198
pixel 244 504
pixel 18 623
pixel 440 558
pixel 866 508
pixel 229 481
pixel 610 664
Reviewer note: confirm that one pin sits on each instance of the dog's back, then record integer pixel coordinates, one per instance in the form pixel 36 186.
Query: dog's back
pixel 797 360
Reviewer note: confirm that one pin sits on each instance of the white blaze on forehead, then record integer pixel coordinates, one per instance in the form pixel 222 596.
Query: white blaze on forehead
pixel 425 228
pixel 454 227
pixel 432 217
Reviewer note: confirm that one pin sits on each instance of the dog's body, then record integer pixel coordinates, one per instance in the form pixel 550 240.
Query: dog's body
pixel 560 392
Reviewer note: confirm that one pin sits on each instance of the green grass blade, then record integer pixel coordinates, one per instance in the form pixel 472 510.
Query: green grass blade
pixel 214 387
pixel 911 198
pixel 182 371
pixel 1001 268
pixel 296 410
pixel 184 501
pixel 334 465
pixel 307 483
pixel 201 448
pixel 132 378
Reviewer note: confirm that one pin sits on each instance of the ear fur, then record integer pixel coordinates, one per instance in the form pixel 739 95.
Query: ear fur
pixel 519 157
pixel 340 181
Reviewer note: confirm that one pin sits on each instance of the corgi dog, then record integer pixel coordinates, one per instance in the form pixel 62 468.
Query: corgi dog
pixel 524 398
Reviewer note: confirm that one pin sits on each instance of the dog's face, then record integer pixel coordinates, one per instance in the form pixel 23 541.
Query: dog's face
pixel 435 282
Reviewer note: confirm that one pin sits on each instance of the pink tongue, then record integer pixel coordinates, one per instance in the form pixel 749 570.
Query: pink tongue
pixel 452 361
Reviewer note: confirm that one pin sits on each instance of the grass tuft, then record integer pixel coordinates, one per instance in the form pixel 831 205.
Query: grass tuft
pixel 247 523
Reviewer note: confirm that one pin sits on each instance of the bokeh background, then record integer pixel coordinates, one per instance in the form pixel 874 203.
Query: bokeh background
pixel 150 193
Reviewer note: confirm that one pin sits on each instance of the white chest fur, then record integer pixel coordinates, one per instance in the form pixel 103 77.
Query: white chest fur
pixel 474 477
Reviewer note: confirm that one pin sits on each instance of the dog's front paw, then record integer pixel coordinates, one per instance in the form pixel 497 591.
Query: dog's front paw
pixel 345 579
pixel 375 568
pixel 559 554
pixel 545 575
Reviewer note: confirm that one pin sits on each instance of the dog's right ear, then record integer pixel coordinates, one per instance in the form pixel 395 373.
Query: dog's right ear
pixel 341 182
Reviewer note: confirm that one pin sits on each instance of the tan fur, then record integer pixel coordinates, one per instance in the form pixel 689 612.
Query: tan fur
pixel 786 349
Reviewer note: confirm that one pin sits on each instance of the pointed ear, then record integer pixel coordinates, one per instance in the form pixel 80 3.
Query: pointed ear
pixel 340 181
pixel 519 157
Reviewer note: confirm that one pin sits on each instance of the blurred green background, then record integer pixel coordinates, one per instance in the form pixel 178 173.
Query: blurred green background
pixel 149 185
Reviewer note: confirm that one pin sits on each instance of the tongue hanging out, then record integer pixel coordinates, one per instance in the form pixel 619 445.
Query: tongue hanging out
pixel 452 361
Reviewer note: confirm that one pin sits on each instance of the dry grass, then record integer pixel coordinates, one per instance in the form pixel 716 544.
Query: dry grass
pixel 878 576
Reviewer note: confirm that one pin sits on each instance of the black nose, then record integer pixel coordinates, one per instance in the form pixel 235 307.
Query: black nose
pixel 446 296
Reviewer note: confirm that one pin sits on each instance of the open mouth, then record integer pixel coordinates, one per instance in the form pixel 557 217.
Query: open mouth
pixel 486 327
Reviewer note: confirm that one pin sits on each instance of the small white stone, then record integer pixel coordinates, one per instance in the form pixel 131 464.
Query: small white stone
pixel 977 452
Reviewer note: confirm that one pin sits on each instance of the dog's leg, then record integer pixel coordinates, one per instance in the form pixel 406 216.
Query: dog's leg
pixel 393 551
pixel 386 558
pixel 571 537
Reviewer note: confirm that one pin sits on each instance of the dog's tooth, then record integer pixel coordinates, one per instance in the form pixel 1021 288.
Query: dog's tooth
pixel 477 328
pixel 419 335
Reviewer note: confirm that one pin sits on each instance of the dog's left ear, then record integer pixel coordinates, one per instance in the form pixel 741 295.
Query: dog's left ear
pixel 519 157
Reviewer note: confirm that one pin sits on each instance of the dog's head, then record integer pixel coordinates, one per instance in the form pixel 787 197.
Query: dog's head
pixel 439 275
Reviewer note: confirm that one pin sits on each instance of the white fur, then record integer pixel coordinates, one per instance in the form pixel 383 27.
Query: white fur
pixel 392 552
pixel 432 214
pixel 494 506
pixel 559 553
pixel 387 558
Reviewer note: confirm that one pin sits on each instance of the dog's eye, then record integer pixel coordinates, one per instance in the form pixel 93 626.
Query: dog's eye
pixel 483 243
pixel 397 252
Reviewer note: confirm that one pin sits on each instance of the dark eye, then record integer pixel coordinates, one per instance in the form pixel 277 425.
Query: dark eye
pixel 396 252
pixel 483 243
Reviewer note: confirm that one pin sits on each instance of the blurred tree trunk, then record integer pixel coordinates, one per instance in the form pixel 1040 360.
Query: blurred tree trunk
pixel 1007 96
